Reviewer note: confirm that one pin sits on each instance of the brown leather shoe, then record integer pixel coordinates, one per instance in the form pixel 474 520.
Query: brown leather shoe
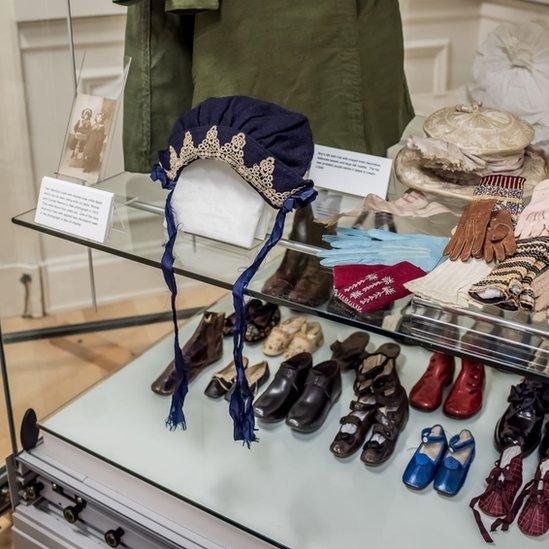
pixel 390 418
pixel 202 349
pixel 304 230
pixel 354 426
pixel 350 352
pixel 283 280
pixel 314 284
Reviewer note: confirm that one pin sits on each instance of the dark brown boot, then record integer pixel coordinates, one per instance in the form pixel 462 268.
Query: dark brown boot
pixel 203 348
pixel 304 230
pixel 314 284
pixel 390 418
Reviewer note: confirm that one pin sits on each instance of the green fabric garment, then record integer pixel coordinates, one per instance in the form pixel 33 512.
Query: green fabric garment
pixel 339 62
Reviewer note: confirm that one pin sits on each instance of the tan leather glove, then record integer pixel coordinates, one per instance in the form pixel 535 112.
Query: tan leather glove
pixel 499 242
pixel 469 236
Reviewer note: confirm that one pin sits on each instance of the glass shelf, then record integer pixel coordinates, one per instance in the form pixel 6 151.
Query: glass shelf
pixel 507 340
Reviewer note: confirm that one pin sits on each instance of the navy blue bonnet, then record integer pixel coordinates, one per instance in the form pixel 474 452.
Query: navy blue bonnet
pixel 271 149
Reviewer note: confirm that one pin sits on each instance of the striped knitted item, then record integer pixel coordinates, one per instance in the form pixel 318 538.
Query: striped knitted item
pixel 506 189
pixel 509 285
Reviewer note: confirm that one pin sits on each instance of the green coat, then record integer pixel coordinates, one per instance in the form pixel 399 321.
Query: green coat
pixel 339 62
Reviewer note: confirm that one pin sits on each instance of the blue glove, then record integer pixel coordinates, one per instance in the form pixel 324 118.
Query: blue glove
pixel 376 246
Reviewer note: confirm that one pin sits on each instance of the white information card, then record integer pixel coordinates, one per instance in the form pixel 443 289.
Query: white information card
pixel 350 172
pixel 75 209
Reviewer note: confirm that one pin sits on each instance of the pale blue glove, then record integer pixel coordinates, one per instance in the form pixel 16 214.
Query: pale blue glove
pixel 376 246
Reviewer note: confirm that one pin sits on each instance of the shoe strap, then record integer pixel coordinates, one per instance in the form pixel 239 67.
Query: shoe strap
pixel 492 481
pixel 351 419
pixel 456 444
pixel 289 374
pixel 428 438
pixel 358 406
pixel 388 429
pixel 385 425
pixel 478 519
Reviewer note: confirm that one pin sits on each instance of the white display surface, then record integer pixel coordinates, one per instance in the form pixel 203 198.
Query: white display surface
pixel 289 487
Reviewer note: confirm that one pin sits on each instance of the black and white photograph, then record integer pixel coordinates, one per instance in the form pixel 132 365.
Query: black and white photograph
pixel 87 137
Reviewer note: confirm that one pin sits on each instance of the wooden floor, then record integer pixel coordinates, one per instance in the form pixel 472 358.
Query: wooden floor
pixel 45 374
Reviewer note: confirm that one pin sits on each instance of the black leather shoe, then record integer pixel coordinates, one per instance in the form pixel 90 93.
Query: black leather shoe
pixel 390 419
pixel 522 422
pixel 322 389
pixel 281 394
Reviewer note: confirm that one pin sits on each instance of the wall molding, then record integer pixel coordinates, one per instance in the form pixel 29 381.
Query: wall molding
pixel 48 10
pixel 91 78
pixel 502 11
pixel 438 11
pixel 91 33
pixel 438 51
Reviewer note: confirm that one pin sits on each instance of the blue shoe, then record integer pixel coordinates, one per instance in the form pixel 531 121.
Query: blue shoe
pixel 423 466
pixel 456 463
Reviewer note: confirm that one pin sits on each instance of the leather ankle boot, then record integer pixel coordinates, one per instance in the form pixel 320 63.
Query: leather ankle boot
pixel 203 348
pixel 465 398
pixel 390 417
pixel 304 229
pixel 426 394
pixel 314 284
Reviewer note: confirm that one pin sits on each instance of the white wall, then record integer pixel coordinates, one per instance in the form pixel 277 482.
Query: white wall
pixel 441 37
pixel 45 95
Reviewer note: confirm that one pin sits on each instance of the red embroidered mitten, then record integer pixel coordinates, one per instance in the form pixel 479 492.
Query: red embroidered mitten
pixel 367 290
pixel 347 275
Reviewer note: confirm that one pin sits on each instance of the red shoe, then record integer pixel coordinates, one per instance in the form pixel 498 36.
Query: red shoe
pixel 465 398
pixel 503 483
pixel 426 394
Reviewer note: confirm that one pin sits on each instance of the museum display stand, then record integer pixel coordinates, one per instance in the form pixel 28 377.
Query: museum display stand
pixel 104 469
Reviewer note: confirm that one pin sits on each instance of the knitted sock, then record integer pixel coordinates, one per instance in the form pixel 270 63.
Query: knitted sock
pixel 450 281
pixel 506 189
pixel 512 278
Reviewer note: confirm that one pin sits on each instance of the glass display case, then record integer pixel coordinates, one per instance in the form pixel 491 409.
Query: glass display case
pixel 102 467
